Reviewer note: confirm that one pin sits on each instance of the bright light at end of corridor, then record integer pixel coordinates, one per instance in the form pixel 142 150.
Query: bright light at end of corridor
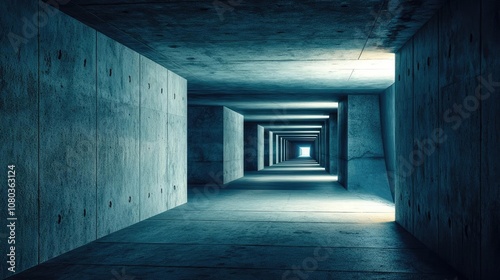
pixel 305 152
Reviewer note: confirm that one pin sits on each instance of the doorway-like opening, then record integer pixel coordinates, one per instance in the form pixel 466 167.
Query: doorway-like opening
pixel 304 151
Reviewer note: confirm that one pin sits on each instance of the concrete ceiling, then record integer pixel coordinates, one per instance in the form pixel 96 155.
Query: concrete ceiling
pixel 263 57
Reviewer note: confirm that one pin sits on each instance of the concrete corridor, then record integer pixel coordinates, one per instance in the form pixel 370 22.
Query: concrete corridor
pixel 288 221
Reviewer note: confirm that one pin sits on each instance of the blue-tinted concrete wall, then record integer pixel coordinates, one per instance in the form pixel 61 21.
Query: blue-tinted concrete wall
pixel 260 147
pixel 333 141
pixel 205 145
pixel 19 137
pixel 215 145
pixel 272 151
pixel 342 136
pixel 388 119
pixel 233 145
pixel 86 122
pixel 365 152
pixel 254 147
pixel 447 135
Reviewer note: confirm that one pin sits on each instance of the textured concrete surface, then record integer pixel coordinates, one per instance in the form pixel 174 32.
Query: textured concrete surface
pixel 459 186
pixel 333 142
pixel 453 175
pixel 272 224
pixel 272 151
pixel 154 138
pixel 300 48
pixel 251 146
pixel 426 114
pixel 365 153
pixel 276 149
pixel 233 145
pixel 281 149
pixel 75 133
pixel 205 143
pixel 118 136
pixel 216 145
pixel 404 136
pixel 459 189
pixel 342 130
pixel 176 187
pixel 388 123
pixel 324 141
pixel 490 137
pixel 19 135
pixel 78 169
pixel 67 164
pixel 260 147
pixel 266 147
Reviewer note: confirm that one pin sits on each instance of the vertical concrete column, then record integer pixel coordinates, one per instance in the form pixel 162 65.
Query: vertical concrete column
pixel 316 149
pixel 404 137
pixel 272 150
pixel 321 143
pixel 282 149
pixel 216 153
pixel 251 147
pixel 277 149
pixel 342 137
pixel 260 147
pixel 322 146
pixel 326 145
pixel 288 157
pixel 388 119
pixel 254 147
pixel 333 150
pixel 283 156
pixel 177 141
pixel 266 147
pixel 205 145
pixel 233 145
pixel 366 162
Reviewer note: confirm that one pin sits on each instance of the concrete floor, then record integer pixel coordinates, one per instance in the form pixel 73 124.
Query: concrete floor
pixel 289 221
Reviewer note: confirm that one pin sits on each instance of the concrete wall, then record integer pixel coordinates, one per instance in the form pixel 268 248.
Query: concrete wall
pixel 177 141
pixel 333 141
pixel 254 147
pixel 366 163
pixel 19 97
pixel 388 122
pixel 251 147
pixel 325 146
pixel 276 148
pixel 490 137
pixel 342 136
pixel 215 145
pixel 260 148
pixel 266 148
pixel 272 151
pixel 205 144
pixel 447 135
pixel 79 134
pixel 233 145
pixel 118 109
